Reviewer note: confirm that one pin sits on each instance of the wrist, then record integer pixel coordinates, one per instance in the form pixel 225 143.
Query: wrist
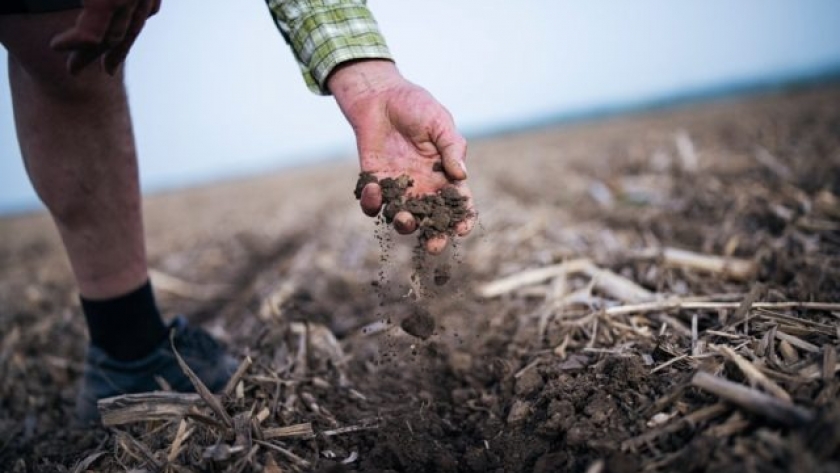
pixel 354 82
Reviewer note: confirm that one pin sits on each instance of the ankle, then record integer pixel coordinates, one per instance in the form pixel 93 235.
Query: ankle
pixel 127 327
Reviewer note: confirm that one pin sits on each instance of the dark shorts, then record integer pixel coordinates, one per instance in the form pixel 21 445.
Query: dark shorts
pixel 9 7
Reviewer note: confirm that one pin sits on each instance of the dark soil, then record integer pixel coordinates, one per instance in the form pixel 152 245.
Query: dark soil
pixel 538 379
pixel 436 214
pixel 420 323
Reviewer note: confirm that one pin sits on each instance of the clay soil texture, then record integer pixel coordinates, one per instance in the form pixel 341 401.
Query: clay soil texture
pixel 655 292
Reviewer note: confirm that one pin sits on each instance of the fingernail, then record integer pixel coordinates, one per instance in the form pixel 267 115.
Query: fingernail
pixel 463 167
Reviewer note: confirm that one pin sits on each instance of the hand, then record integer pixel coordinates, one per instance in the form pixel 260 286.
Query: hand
pixel 105 29
pixel 401 129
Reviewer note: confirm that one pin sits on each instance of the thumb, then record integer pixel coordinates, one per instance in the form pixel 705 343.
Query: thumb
pixel 453 150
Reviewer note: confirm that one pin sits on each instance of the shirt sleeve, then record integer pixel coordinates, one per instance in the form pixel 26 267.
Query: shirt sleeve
pixel 325 33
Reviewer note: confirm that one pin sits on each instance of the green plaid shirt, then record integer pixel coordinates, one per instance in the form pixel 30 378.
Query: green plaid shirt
pixel 325 33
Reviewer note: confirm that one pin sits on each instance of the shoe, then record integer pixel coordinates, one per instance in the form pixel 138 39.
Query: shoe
pixel 105 376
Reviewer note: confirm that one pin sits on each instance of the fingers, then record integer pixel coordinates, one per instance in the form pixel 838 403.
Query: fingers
pixel 436 244
pixel 104 28
pixel 404 222
pixel 118 53
pixel 464 227
pixel 371 199
pixel 78 60
pixel 453 150
pixel 90 29
pixel 120 22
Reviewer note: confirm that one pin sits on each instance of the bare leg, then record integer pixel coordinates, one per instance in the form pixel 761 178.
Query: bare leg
pixel 77 143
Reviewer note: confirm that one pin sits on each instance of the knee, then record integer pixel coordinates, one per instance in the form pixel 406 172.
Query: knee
pixel 47 73
pixel 31 59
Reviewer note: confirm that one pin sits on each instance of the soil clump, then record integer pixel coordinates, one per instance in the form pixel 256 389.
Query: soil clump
pixel 420 323
pixel 436 214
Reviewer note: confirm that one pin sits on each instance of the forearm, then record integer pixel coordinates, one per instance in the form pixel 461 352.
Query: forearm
pixel 324 34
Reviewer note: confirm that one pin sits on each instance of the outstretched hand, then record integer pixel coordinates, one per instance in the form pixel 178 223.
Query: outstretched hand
pixel 401 130
pixel 106 30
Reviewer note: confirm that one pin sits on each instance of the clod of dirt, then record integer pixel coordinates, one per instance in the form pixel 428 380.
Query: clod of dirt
pixel 365 178
pixel 436 214
pixel 421 324
pixel 530 382
pixel 519 412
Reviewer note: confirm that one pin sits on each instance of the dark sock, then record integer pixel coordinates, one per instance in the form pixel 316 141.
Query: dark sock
pixel 127 327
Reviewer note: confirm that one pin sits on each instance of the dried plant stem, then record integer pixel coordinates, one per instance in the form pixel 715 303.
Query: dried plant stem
pixel 752 400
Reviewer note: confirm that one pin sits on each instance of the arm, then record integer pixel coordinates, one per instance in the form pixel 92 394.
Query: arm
pixel 400 128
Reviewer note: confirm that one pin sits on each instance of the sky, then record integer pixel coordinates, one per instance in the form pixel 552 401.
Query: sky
pixel 215 92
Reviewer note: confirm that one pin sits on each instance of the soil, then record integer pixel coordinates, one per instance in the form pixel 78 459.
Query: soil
pixel 436 214
pixel 420 323
pixel 545 377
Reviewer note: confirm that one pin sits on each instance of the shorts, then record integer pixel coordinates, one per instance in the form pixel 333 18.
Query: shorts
pixel 9 7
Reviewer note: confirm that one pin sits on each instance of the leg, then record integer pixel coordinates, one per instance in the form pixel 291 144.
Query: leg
pixel 76 139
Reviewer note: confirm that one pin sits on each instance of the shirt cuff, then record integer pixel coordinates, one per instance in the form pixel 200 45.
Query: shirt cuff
pixel 325 34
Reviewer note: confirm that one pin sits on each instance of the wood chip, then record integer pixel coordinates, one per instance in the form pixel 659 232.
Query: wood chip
pixel 753 374
pixel 349 429
pixel 692 419
pixel 733 268
pixel 604 280
pixel 829 364
pixel 290 431
pixel 303 463
pixel 137 450
pixel 237 375
pixel 752 400
pixel 209 398
pixel 531 276
pixel 797 342
pixel 86 463
pixel 181 436
pixel 789 353
pixel 132 408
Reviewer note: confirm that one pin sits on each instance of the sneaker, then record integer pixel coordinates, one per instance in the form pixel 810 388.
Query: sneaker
pixel 106 377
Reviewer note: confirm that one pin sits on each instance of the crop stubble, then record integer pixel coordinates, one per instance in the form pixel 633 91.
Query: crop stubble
pixel 549 377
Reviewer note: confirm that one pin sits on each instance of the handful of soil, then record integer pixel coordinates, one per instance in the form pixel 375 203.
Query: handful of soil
pixel 436 214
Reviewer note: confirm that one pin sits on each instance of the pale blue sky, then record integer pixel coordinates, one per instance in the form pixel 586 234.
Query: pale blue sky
pixel 216 93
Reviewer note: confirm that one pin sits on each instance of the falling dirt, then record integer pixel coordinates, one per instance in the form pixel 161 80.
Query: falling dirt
pixel 442 274
pixel 421 324
pixel 435 214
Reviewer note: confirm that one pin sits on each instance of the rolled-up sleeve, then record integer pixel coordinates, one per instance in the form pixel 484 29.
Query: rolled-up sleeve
pixel 323 34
